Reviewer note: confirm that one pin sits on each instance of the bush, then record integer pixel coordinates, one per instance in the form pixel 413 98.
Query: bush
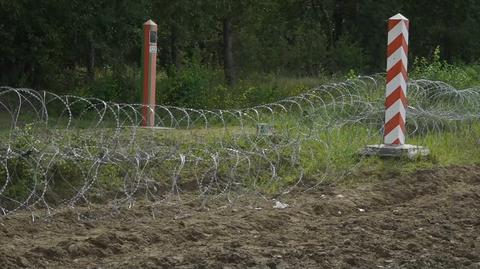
pixel 198 86
pixel 459 76
pixel 120 83
pixel 191 86
pixel 347 55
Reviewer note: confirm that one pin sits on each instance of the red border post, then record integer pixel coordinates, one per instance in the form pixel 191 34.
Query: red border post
pixel 149 72
pixel 397 77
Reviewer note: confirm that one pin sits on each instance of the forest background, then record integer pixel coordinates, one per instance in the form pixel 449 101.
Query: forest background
pixel 227 53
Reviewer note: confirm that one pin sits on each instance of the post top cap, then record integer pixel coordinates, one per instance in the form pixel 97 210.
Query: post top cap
pixel 399 17
pixel 149 22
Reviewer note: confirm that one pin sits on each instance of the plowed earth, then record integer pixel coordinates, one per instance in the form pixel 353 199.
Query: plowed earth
pixel 429 219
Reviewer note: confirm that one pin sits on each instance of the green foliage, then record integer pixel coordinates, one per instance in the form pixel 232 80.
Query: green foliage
pixel 198 86
pixel 94 46
pixel 347 55
pixel 265 88
pixel 21 169
pixel 51 44
pixel 459 76
pixel 194 86
pixel 20 178
pixel 117 84
pixel 351 74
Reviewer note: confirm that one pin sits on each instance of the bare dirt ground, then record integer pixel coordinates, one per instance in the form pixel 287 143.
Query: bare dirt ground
pixel 430 219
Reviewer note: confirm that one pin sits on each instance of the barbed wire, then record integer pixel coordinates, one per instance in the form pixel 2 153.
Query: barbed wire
pixel 59 151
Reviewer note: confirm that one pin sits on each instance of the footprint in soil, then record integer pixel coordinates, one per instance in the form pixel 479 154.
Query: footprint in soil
pixel 237 257
pixel 107 243
pixel 194 235
pixel 50 253
pixel 76 249
pixel 105 240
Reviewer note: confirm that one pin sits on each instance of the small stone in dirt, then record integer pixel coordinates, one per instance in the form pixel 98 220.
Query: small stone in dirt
pixel 340 196
pixel 280 205
pixel 178 258
pixel 184 216
pixel 361 210
pixel 73 249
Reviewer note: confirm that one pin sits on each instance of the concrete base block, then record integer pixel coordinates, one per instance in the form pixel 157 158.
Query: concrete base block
pixel 395 151
pixel 264 129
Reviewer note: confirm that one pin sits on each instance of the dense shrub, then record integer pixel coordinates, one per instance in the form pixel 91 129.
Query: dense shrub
pixel 434 68
pixel 120 83
pixel 191 87
pixel 347 55
pixel 198 86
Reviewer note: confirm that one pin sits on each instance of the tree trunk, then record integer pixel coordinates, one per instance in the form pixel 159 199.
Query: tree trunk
pixel 228 64
pixel 91 59
pixel 176 53
pixel 338 13
pixel 325 21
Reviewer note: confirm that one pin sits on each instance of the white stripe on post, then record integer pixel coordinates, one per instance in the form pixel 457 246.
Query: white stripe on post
pixel 397 76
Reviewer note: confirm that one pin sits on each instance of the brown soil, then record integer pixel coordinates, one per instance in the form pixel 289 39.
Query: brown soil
pixel 430 219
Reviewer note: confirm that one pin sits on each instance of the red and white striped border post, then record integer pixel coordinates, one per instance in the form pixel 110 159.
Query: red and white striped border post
pixel 397 77
pixel 396 96
pixel 149 72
